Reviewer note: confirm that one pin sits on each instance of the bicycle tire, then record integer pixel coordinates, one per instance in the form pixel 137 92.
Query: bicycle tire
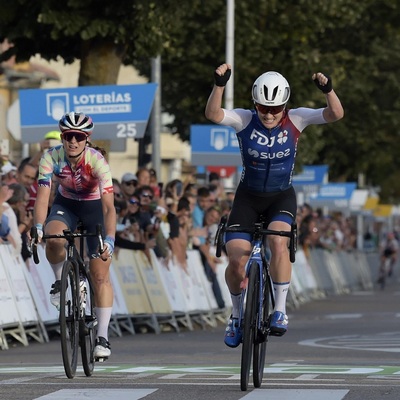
pixel 249 325
pixel 69 319
pixel 87 333
pixel 260 345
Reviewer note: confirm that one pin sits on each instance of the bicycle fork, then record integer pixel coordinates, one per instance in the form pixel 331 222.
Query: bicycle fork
pixel 263 277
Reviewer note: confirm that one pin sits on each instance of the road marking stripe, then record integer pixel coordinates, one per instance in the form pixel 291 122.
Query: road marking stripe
pixel 296 394
pixel 98 394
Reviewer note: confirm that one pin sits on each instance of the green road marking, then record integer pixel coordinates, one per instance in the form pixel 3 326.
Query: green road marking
pixel 280 368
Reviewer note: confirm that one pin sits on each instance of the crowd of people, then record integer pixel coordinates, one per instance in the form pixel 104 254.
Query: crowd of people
pixel 331 232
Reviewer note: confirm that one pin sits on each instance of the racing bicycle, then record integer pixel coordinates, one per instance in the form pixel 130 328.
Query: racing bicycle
pixel 257 300
pixel 77 317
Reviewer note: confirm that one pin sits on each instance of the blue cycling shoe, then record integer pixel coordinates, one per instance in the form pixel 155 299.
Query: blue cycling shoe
pixel 233 333
pixel 279 324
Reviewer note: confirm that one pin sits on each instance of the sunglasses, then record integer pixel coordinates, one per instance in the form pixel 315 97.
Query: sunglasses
pixel 147 195
pixel 270 109
pixel 134 202
pixel 130 183
pixel 79 136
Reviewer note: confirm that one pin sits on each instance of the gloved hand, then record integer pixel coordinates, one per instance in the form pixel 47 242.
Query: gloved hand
pixel 109 242
pixel 39 230
pixel 221 80
pixel 324 88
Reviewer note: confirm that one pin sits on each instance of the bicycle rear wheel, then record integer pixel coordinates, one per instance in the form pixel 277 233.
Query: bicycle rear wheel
pixel 260 345
pixel 249 325
pixel 87 333
pixel 69 319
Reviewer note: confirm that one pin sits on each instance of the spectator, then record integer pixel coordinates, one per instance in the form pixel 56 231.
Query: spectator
pixel 128 184
pixel 143 177
pixel 9 232
pixel 146 196
pixel 201 239
pixel 131 236
pixel 18 201
pixel 27 176
pixel 155 185
pixel 177 238
pixel 8 173
pixel 173 192
pixel 50 139
pixel 216 185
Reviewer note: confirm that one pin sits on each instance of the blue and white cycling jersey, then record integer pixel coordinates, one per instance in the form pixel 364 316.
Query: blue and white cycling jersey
pixel 268 155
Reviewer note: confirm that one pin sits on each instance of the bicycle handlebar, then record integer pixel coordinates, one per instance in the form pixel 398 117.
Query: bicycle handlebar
pixel 256 229
pixel 68 235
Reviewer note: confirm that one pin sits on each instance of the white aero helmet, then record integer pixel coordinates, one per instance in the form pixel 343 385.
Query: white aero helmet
pixel 271 89
pixel 75 121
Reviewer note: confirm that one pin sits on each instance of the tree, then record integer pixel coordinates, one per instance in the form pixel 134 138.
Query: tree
pixel 357 43
pixel 102 34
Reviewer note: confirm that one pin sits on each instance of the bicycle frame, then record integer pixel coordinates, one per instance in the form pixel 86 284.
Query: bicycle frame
pixel 258 255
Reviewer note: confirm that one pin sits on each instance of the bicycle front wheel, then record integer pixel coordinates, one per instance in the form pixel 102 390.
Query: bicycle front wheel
pixel 260 345
pixel 87 333
pixel 69 319
pixel 249 325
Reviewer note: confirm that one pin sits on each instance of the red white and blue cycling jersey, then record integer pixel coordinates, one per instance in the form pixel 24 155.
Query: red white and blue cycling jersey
pixel 91 178
pixel 268 155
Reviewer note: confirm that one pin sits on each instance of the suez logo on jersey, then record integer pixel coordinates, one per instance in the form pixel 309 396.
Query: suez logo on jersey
pixel 263 140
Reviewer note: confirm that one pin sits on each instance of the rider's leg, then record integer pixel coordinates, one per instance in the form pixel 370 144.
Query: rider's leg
pixel 55 248
pixel 238 251
pixel 280 266
pixel 104 295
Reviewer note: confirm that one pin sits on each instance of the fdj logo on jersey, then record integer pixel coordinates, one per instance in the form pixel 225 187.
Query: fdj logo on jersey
pixel 263 140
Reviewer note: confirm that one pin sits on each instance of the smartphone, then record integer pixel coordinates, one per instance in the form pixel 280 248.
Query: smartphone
pixel 179 188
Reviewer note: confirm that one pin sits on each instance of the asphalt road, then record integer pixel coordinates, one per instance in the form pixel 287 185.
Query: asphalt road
pixel 338 347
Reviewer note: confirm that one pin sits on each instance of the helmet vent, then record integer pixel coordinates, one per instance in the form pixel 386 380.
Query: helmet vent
pixel 267 95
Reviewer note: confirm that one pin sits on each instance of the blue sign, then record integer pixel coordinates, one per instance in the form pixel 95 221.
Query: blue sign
pixel 311 175
pixel 214 145
pixel 118 111
pixel 334 195
pixel 336 191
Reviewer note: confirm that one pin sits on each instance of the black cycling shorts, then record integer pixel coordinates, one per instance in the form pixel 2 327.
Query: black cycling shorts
pixel 248 207
pixel 90 212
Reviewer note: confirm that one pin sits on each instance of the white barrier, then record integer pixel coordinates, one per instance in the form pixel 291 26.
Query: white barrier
pixel 149 293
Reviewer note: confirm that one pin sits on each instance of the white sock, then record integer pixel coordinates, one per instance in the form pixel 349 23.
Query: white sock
pixel 236 304
pixel 281 290
pixel 57 269
pixel 103 320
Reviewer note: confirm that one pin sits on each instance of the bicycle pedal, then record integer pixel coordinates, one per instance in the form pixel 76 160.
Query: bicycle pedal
pixel 100 359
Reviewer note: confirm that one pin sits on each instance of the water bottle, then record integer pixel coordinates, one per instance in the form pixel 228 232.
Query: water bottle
pixel 83 290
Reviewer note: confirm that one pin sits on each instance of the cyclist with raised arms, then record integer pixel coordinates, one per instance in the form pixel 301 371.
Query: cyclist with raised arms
pixel 267 137
pixel 85 192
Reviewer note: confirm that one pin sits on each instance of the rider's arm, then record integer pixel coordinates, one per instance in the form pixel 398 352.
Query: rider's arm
pixel 334 110
pixel 110 216
pixel 214 111
pixel 41 205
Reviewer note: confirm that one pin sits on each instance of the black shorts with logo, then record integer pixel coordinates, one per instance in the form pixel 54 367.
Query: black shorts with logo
pixel 248 207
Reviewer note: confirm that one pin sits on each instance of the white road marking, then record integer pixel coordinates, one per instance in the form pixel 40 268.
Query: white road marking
pixel 344 316
pixel 386 341
pixel 98 394
pixel 296 394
